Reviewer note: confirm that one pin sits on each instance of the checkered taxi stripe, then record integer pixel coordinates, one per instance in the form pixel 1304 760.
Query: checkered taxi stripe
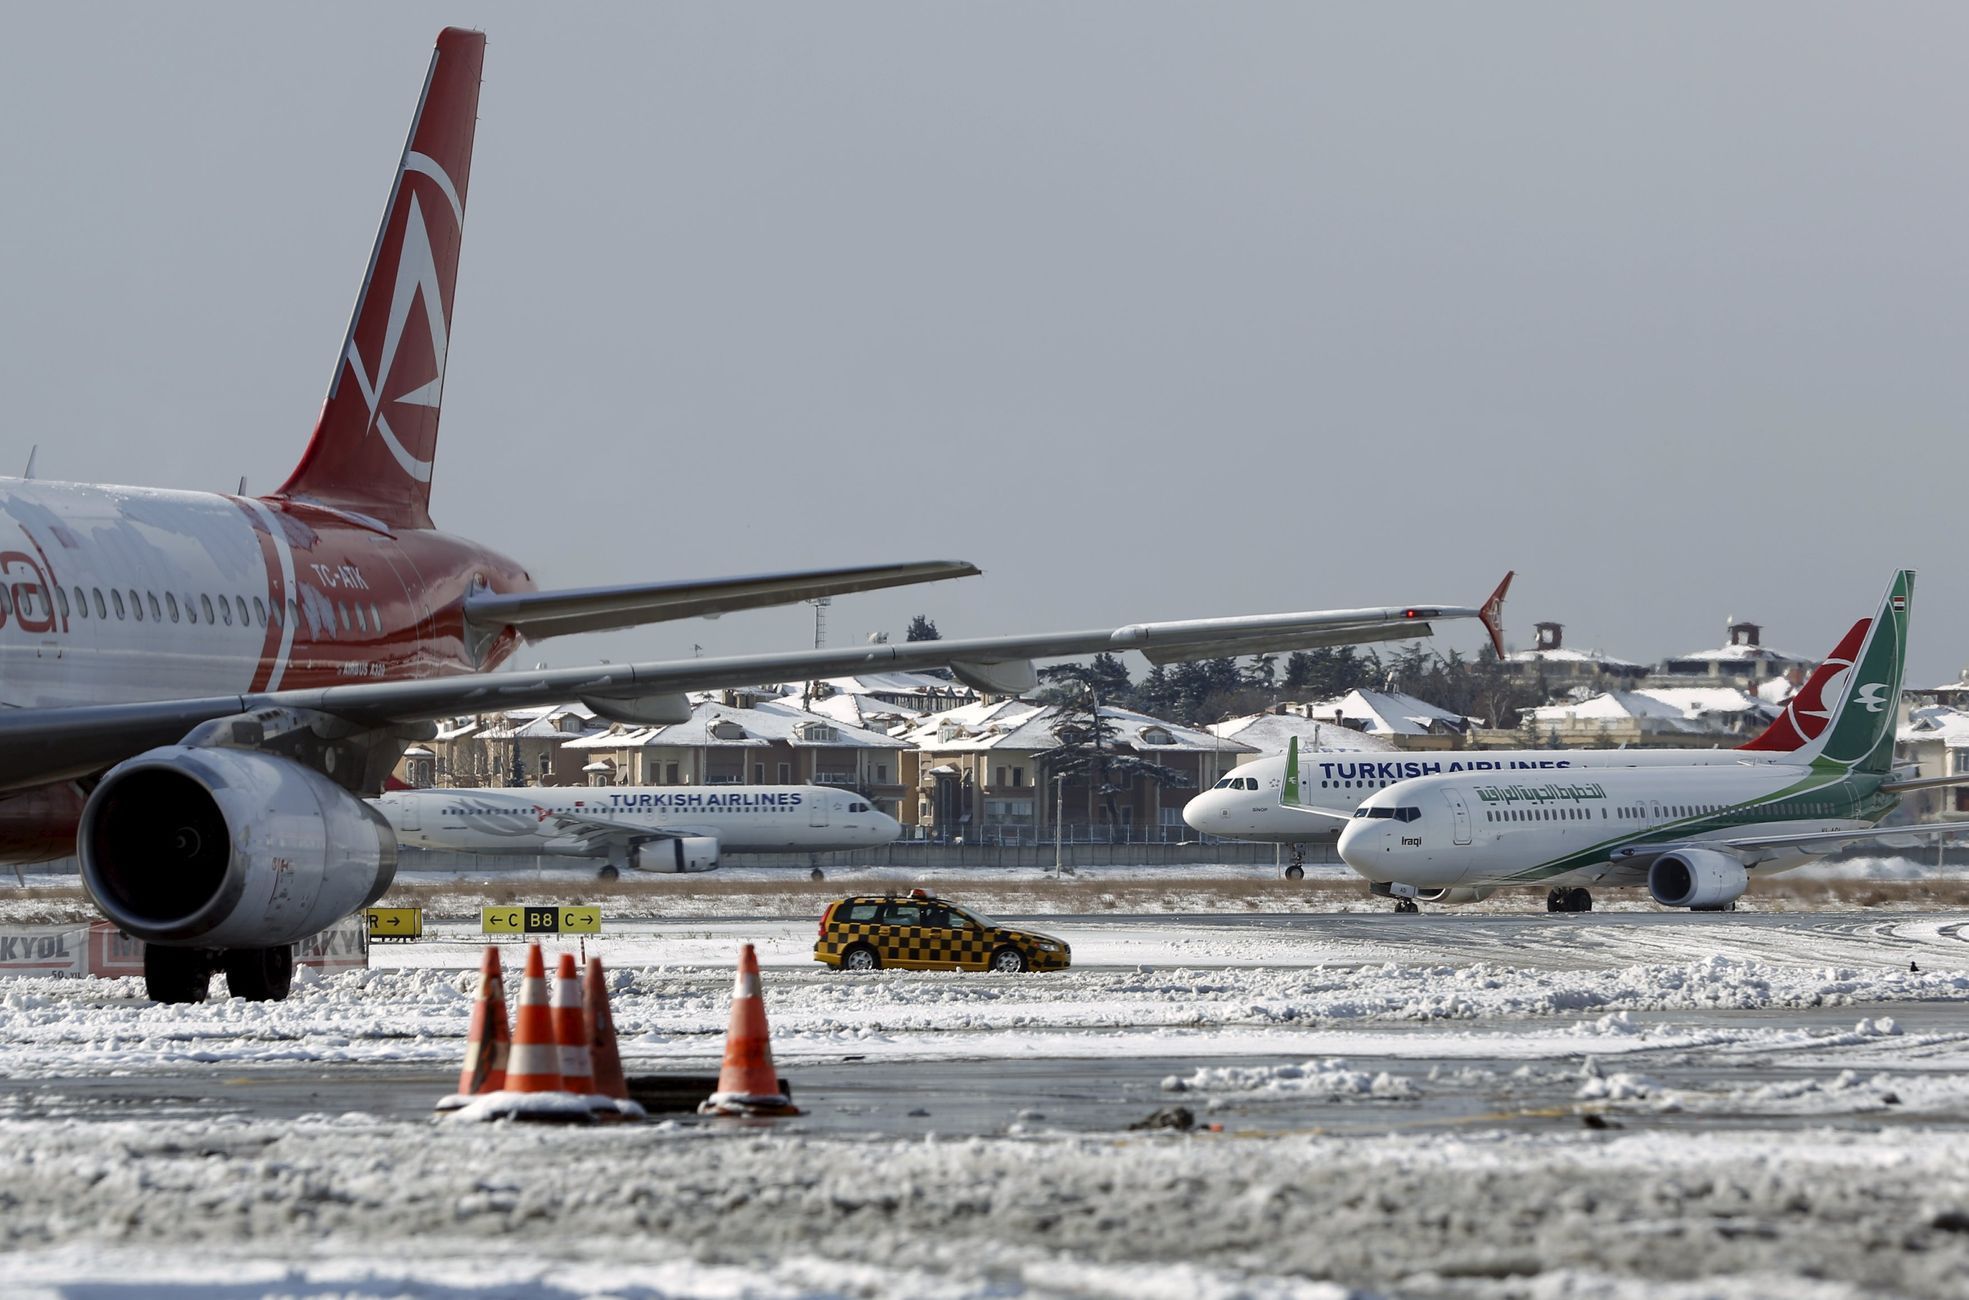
pixel 967 948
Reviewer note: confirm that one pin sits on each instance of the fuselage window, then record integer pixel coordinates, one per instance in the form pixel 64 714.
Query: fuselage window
pixel 259 611
pixel 362 620
pixel 343 610
pixel 244 621
pixel 116 598
pixel 293 613
pixel 205 603
pixel 102 609
pixel 61 598
pixel 225 611
pixel 376 625
pixel 171 603
pixel 81 603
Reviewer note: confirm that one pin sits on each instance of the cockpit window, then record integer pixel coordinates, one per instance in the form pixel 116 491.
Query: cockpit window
pixel 1389 814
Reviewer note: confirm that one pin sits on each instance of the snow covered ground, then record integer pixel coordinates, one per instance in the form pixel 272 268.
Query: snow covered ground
pixel 1457 1105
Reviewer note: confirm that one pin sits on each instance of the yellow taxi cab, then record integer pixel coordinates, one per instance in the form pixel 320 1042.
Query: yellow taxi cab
pixel 918 932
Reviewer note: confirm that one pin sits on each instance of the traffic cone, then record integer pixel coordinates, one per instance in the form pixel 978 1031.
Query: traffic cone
pixel 534 1064
pixel 748 1084
pixel 571 1030
pixel 603 1054
pixel 487 1043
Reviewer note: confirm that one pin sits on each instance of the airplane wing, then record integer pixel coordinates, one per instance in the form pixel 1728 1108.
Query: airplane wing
pixel 541 614
pixel 599 832
pixel 40 746
pixel 1752 847
pixel 1288 787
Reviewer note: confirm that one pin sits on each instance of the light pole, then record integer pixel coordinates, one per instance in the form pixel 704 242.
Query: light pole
pixel 1059 812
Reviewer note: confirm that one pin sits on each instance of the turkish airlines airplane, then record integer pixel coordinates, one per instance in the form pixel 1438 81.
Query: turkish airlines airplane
pixel 1292 798
pixel 196 689
pixel 669 828
pixel 1693 835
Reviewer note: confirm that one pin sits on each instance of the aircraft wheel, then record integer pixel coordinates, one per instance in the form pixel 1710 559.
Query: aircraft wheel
pixel 610 872
pixel 1406 905
pixel 816 874
pixel 176 975
pixel 1295 872
pixel 1582 900
pixel 260 974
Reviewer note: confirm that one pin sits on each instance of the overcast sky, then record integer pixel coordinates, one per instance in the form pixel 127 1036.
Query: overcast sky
pixel 1151 311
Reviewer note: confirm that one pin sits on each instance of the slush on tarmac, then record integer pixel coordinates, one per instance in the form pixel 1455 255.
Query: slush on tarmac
pixel 1478 1104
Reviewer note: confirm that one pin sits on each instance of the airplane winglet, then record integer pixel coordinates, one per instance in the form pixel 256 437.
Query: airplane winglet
pixel 1492 613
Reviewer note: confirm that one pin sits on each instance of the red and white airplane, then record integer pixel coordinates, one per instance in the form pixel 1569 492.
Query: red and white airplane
pixel 195 688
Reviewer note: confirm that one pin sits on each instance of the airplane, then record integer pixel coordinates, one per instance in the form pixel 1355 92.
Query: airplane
pixel 197 689
pixel 671 828
pixel 1694 835
pixel 1292 799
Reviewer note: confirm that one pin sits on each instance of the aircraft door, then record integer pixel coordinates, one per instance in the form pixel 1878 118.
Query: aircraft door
pixel 413 813
pixel 817 809
pixel 1459 814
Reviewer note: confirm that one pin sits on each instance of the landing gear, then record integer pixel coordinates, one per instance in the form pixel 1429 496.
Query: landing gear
pixel 176 975
pixel 1406 905
pixel 816 874
pixel 1569 900
pixel 260 974
pixel 1296 870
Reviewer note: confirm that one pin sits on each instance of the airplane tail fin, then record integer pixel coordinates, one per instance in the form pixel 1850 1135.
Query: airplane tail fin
pixel 1288 790
pixel 1846 711
pixel 374 446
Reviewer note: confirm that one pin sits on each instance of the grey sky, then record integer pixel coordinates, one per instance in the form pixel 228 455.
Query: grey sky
pixel 1149 310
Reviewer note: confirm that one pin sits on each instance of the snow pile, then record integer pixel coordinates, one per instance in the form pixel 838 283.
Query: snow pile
pixel 1330 1079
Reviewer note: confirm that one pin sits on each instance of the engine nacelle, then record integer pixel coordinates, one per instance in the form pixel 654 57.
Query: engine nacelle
pixel 684 853
pixel 1699 878
pixel 229 848
pixel 1458 896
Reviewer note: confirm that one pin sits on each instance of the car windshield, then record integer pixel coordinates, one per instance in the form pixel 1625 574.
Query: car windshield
pixel 978 918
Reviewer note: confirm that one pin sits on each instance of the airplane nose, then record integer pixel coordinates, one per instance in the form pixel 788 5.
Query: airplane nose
pixel 1199 812
pixel 1362 844
pixel 891 828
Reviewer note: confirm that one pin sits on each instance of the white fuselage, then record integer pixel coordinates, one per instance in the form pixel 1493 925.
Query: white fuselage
pixel 1245 804
pixel 1479 831
pixel 742 818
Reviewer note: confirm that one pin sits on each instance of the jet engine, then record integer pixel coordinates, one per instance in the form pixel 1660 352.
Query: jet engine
pixel 1703 879
pixel 1456 897
pixel 217 848
pixel 684 853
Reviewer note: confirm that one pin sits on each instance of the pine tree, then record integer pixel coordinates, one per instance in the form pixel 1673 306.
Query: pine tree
pixel 923 628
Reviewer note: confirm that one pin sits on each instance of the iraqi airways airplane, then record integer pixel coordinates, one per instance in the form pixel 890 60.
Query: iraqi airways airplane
pixel 1293 798
pixel 669 828
pixel 198 690
pixel 1694 835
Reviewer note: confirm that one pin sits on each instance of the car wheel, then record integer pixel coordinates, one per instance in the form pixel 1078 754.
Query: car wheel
pixel 860 957
pixel 1007 961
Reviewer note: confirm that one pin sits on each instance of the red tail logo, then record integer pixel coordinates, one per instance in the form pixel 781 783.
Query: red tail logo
pixel 374 447
pixel 1809 712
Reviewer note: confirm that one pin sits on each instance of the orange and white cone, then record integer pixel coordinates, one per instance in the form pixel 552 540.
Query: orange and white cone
pixel 534 1064
pixel 571 1030
pixel 748 1084
pixel 603 1054
pixel 487 1043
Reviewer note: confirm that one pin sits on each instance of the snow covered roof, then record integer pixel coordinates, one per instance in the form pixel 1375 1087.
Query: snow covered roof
pixel 720 726
pixel 1739 654
pixel 1021 725
pixel 1388 713
pixel 1708 701
pixel 1563 655
pixel 1936 722
pixel 1269 733
pixel 1619 706
pixel 859 711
